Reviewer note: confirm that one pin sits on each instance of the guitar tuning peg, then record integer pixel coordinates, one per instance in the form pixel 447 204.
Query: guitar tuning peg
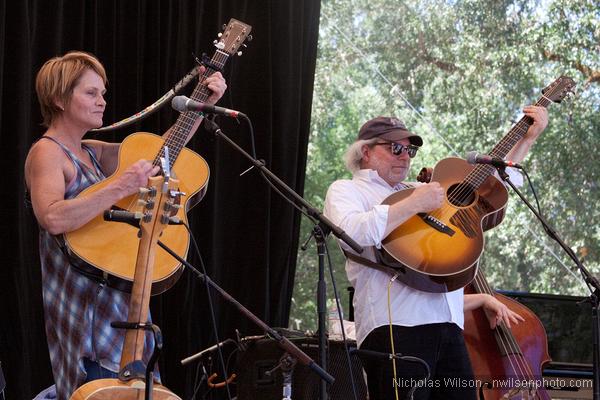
pixel 220 34
pixel 244 45
pixel 151 191
pixel 239 53
pixel 224 26
pixel 215 41
pixel 176 193
pixel 249 38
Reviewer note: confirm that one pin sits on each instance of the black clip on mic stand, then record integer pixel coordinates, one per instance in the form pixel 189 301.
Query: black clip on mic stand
pixel 323 228
pixel 592 283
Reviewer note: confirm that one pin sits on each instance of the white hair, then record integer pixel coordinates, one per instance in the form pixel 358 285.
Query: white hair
pixel 354 155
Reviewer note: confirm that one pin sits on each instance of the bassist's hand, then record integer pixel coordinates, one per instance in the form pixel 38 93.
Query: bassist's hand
pixel 497 313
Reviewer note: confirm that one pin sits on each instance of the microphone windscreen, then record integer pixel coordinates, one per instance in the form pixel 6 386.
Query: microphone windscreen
pixel 179 103
pixel 471 157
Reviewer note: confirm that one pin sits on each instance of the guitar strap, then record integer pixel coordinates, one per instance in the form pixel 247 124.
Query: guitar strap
pixel 371 264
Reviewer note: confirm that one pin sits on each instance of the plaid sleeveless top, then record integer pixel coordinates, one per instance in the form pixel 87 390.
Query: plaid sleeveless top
pixel 78 311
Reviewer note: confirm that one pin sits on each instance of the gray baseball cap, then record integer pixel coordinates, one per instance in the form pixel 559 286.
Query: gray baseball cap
pixel 388 128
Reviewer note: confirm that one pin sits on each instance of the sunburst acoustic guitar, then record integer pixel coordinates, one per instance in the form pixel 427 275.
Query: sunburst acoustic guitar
pixel 439 251
pixel 112 248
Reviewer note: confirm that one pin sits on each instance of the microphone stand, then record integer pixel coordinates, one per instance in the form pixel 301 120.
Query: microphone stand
pixel 592 284
pixel 323 228
pixel 281 341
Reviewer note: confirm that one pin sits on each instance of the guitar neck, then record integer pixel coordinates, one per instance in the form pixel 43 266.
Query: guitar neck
pixel 133 346
pixel 180 131
pixel 157 207
pixel 481 172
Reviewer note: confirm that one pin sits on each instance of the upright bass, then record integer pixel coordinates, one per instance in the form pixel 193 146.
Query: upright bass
pixel 507 362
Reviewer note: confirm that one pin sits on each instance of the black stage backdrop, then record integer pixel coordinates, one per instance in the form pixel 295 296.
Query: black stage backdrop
pixel 247 234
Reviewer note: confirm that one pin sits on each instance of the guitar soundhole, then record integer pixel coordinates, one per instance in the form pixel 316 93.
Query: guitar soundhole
pixel 461 195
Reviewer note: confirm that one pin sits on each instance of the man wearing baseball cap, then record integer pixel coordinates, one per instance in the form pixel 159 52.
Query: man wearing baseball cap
pixel 388 312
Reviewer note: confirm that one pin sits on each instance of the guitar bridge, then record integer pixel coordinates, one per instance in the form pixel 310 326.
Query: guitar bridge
pixel 436 224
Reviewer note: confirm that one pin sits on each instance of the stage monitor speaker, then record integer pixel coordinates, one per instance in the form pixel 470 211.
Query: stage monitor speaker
pixel 263 354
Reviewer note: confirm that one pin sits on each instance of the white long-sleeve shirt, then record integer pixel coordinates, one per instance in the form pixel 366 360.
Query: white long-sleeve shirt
pixel 355 205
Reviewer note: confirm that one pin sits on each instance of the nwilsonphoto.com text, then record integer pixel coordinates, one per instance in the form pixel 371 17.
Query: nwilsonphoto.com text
pixel 508 383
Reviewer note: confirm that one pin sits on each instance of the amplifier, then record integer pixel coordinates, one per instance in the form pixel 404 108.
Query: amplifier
pixel 568 381
pixel 263 354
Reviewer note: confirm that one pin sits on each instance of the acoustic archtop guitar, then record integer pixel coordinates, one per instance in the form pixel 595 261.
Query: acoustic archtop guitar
pixel 112 248
pixel 439 251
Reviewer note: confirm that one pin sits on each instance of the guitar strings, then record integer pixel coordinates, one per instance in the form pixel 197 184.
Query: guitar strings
pixel 177 138
pixel 478 175
pixel 465 189
pixel 504 344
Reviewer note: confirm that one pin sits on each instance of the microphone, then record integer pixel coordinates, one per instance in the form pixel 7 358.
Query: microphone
pixel 131 218
pixel 206 351
pixel 183 103
pixel 375 355
pixel 475 158
pixel 130 325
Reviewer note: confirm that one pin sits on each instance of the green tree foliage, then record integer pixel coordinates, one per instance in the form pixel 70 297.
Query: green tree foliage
pixel 459 73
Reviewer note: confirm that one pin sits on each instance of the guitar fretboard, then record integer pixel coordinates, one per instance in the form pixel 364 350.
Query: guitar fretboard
pixel 481 172
pixel 177 138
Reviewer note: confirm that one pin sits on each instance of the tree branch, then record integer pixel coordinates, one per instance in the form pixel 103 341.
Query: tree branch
pixel 427 57
pixel 590 74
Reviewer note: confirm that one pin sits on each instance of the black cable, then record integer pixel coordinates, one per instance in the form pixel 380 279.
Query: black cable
pixel 210 306
pixel 550 231
pixel 534 193
pixel 339 310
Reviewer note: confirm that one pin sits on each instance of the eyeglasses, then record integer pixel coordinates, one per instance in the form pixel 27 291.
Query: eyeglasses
pixel 399 148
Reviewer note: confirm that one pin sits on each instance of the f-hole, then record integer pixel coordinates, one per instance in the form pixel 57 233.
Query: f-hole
pixel 461 194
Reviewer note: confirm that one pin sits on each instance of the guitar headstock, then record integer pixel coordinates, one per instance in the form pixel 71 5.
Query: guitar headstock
pixel 159 202
pixel 559 89
pixel 233 36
